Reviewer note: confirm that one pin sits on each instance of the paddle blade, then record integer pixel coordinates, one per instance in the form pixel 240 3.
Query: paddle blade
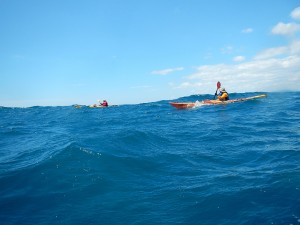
pixel 218 85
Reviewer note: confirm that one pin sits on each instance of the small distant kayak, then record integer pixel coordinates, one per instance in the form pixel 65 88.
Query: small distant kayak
pixel 100 106
pixel 186 105
pixel 78 106
pixel 97 106
pixel 93 106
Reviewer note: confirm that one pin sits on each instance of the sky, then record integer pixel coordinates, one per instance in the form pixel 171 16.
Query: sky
pixel 64 52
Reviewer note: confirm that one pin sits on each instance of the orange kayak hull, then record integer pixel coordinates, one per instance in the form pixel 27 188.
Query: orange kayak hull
pixel 187 105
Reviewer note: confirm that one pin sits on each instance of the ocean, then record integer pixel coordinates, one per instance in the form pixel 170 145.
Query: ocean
pixel 151 163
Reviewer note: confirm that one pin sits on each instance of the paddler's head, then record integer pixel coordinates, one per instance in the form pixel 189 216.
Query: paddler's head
pixel 222 90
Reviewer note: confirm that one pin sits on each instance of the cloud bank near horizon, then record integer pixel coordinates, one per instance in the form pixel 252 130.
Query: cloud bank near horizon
pixel 272 69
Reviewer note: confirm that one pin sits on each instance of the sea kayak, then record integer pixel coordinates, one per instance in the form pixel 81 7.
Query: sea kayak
pixel 93 106
pixel 186 105
pixel 97 106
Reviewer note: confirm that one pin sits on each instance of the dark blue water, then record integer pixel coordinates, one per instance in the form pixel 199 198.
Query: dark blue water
pixel 152 164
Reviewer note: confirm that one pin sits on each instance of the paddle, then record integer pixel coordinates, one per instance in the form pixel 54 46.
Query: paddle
pixel 218 86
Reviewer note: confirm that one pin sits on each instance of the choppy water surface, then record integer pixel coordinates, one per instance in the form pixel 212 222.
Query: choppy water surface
pixel 152 164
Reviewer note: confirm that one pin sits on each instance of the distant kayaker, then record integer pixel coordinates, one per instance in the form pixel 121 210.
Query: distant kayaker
pixel 104 103
pixel 223 95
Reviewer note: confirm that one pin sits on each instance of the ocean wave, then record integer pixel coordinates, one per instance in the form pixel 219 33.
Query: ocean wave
pixel 151 163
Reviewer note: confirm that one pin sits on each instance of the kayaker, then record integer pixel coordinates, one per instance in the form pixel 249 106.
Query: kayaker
pixel 223 95
pixel 104 103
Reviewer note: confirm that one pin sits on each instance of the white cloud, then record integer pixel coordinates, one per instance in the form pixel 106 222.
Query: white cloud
pixel 239 58
pixel 286 28
pixel 295 14
pixel 272 52
pixel 167 71
pixel 247 30
pixel 293 48
pixel 257 75
pixel 187 84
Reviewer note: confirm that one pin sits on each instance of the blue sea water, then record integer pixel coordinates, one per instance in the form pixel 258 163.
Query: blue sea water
pixel 152 164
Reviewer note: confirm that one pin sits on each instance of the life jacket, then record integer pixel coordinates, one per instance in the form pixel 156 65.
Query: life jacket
pixel 226 98
pixel 104 104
